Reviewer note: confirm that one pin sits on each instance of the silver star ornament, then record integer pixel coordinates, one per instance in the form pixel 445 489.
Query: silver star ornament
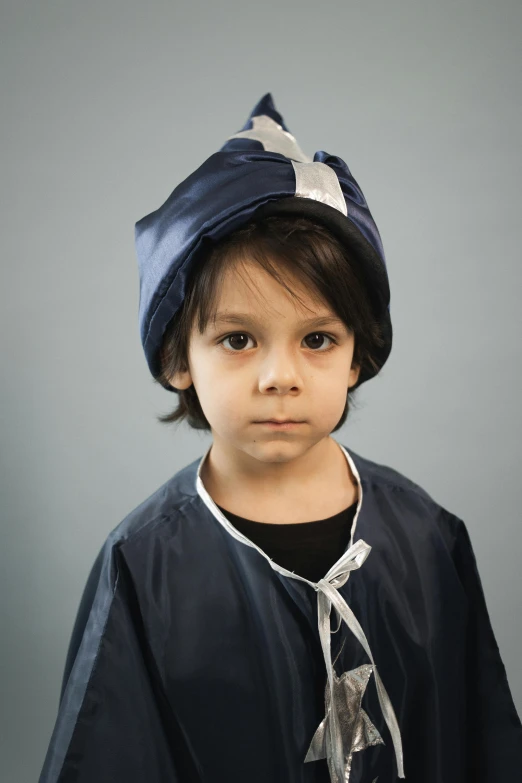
pixel 357 730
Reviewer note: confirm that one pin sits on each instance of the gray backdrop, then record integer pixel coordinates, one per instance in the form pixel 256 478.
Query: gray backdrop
pixel 106 106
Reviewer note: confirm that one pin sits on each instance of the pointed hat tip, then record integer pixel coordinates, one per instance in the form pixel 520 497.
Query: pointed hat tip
pixel 266 106
pixel 265 103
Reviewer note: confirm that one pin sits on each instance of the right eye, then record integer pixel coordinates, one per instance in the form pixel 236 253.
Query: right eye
pixel 234 336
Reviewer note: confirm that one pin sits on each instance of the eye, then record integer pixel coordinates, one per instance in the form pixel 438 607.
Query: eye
pixel 233 337
pixel 321 336
pixel 238 341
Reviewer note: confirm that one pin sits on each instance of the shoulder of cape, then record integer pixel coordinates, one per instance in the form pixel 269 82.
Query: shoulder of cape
pixel 376 476
pixel 165 504
pixel 377 473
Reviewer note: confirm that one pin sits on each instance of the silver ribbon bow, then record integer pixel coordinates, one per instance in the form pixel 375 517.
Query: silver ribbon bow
pixel 328 596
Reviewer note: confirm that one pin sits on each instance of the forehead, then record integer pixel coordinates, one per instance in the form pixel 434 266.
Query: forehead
pixel 248 289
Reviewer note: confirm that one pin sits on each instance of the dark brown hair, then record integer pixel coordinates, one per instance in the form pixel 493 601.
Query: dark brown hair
pixel 307 251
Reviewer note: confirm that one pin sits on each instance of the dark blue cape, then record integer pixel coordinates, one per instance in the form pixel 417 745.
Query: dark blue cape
pixel 193 659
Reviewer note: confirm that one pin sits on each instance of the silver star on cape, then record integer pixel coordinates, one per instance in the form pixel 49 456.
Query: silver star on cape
pixel 357 730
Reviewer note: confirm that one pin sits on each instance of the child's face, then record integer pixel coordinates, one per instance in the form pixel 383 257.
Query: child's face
pixel 272 366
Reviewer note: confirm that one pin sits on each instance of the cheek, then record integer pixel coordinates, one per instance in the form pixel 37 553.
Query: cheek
pixel 221 397
pixel 333 392
pixel 332 399
pixel 223 373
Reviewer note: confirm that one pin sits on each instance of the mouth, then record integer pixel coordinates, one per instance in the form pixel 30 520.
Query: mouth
pixel 279 421
pixel 280 424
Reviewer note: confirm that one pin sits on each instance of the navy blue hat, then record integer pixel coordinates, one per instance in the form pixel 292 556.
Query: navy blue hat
pixel 260 170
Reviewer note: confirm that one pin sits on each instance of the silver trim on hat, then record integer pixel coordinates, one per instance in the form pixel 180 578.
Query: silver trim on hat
pixel 313 179
pixel 318 181
pixel 273 138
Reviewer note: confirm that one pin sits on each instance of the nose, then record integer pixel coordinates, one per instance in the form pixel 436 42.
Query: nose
pixel 279 371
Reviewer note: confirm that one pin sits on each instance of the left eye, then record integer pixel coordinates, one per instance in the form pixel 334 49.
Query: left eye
pixel 237 349
pixel 321 335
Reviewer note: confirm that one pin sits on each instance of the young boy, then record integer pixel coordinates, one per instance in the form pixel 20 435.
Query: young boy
pixel 203 648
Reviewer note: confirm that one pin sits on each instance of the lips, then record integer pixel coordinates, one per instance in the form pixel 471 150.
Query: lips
pixel 279 421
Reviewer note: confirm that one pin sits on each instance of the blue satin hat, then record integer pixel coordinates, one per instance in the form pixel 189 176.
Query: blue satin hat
pixel 260 170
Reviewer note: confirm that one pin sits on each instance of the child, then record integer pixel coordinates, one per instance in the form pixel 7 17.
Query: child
pixel 204 647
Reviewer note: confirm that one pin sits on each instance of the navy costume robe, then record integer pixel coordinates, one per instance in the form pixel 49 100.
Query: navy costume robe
pixel 193 658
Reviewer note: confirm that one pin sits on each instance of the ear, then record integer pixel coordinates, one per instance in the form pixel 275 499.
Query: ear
pixel 354 375
pixel 181 380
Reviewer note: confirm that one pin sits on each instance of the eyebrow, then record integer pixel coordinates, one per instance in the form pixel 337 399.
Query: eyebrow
pixel 242 318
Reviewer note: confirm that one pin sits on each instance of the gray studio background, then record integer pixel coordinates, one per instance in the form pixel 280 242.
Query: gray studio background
pixel 106 106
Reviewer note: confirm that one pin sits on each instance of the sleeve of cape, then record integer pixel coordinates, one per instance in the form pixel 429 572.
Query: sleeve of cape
pixel 494 730
pixel 114 722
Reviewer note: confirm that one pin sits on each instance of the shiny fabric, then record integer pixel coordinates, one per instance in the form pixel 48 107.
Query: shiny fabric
pixel 328 595
pixel 357 730
pixel 257 169
pixel 194 657
pixel 319 182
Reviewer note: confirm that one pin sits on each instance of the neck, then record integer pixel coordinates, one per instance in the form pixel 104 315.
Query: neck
pixel 316 485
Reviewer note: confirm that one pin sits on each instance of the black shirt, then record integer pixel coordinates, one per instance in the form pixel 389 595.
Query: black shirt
pixel 308 549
